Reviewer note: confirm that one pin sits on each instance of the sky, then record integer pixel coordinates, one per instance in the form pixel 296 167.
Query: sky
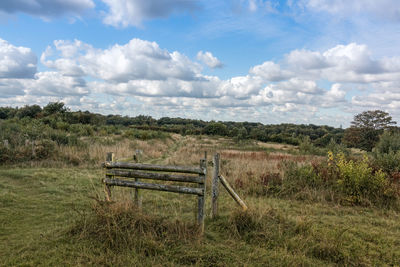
pixel 268 61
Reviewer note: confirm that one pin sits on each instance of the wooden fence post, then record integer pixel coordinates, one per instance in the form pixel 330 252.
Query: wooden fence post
pixel 214 187
pixel 201 198
pixel 107 188
pixel 137 199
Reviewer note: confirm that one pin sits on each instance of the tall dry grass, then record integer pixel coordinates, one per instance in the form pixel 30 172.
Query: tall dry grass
pixel 94 153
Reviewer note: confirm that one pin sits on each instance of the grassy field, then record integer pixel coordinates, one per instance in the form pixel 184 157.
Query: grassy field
pixel 55 216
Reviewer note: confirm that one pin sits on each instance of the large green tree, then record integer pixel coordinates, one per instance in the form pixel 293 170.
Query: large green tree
pixel 366 128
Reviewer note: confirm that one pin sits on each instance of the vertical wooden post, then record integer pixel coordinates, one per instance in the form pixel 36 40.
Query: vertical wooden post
pixel 201 199
pixel 137 199
pixel 107 188
pixel 214 187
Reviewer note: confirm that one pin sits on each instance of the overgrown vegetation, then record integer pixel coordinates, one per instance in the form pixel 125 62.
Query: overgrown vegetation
pixel 57 116
pixel 69 228
pixel 314 203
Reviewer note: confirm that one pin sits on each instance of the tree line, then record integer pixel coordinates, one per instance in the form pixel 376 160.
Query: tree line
pixel 364 133
pixel 56 113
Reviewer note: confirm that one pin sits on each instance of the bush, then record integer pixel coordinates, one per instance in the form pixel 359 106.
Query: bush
pixel 388 142
pixel 145 134
pixel 387 152
pixel 358 181
pixel 44 149
pixel 307 147
pixel 338 179
pixel 297 178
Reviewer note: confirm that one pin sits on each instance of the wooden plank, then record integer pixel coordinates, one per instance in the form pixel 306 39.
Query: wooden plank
pixel 152 167
pixel 232 192
pixel 214 187
pixel 159 187
pixel 155 176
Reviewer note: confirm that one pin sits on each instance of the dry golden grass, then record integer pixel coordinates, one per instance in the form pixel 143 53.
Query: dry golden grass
pixel 277 146
pixel 124 149
pixel 67 228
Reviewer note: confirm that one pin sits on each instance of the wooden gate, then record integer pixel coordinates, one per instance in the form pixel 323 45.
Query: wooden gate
pixel 119 174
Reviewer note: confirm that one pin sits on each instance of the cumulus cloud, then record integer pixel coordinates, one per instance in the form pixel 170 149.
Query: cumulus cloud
pixel 270 71
pixel 16 62
pixel 343 63
pixel 124 13
pixel 208 59
pixel 45 8
pixel 11 88
pixel 204 88
pixel 158 81
pixel 55 84
pixel 136 60
pixel 143 70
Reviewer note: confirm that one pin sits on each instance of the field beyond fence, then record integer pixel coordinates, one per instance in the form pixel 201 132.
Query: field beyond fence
pixel 53 212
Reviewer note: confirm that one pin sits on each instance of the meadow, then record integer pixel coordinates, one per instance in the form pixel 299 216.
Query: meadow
pixel 52 211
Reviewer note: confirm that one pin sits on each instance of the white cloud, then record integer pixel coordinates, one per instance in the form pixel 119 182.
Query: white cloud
pixel 45 8
pixel 208 59
pixel 16 62
pixel 10 88
pixel 204 88
pixel 136 60
pixel 124 13
pixel 55 84
pixel 343 63
pixel 306 60
pixel 157 81
pixel 270 71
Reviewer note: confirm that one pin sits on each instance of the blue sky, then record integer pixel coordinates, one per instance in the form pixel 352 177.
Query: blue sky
pixel 305 61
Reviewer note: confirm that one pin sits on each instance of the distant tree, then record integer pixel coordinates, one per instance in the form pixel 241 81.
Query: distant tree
pixel 54 107
pixel 216 128
pixel 7 112
pixel 29 111
pixel 366 128
pixel 373 119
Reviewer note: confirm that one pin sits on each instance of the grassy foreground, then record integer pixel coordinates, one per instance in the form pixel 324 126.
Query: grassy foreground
pixel 46 215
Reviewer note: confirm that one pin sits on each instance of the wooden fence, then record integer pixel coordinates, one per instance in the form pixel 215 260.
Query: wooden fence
pixel 119 174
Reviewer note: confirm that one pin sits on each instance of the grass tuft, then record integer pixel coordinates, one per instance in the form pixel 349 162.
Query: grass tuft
pixel 121 224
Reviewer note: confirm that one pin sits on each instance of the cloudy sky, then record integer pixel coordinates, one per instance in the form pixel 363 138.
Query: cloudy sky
pixel 269 61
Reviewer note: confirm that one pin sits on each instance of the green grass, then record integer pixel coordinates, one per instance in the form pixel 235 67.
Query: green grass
pixel 46 215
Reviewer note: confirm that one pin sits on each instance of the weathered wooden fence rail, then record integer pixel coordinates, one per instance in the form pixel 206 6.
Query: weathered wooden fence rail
pixel 117 174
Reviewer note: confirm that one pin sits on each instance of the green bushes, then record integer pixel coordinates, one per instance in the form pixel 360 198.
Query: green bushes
pixel 336 179
pixel 308 148
pixel 387 153
pixel 359 183
pixel 37 150
pixel 145 134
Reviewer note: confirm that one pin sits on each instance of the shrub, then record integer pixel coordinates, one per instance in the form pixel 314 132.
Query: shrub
pixel 388 142
pixel 61 138
pixel 388 162
pixel 44 149
pixel 307 147
pixel 387 152
pixel 339 179
pixel 145 134
pixel 358 182
pixel 298 177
